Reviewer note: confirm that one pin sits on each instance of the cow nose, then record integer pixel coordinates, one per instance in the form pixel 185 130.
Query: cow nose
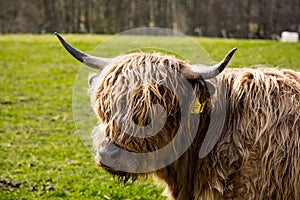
pixel 109 154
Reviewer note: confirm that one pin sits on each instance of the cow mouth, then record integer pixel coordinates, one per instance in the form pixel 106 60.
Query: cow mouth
pixel 110 159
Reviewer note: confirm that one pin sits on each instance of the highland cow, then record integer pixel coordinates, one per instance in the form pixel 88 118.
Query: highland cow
pixel 256 156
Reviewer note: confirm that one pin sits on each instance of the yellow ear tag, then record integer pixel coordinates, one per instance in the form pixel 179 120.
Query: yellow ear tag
pixel 198 107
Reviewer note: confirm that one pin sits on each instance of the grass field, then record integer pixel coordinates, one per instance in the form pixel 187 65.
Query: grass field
pixel 42 157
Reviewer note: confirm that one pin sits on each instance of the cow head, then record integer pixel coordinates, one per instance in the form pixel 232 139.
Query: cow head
pixel 143 101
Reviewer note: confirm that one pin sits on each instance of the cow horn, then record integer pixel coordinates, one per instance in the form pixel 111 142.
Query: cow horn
pixel 207 72
pixel 91 61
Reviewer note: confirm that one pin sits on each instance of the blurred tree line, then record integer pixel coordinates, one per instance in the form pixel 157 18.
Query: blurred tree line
pixel 221 18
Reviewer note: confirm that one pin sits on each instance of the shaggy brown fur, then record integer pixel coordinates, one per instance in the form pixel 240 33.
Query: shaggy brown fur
pixel 258 153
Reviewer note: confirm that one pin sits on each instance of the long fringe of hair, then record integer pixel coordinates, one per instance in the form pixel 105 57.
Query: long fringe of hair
pixel 128 96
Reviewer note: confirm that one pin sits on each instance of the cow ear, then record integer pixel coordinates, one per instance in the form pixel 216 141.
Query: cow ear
pixel 91 78
pixel 210 86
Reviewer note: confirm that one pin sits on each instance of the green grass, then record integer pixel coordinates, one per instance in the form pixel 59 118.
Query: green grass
pixel 42 157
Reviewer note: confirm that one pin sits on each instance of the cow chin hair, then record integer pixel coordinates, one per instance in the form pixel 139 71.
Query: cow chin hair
pixel 124 177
